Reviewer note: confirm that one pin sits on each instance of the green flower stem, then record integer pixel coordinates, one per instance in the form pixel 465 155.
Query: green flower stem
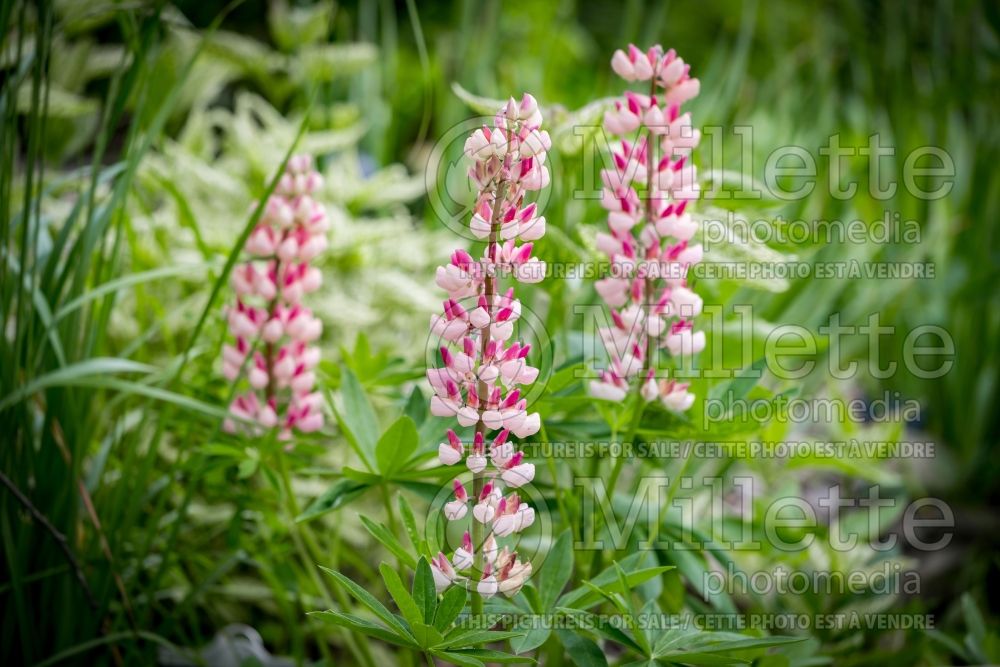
pixel 551 464
pixel 597 561
pixel 393 521
pixel 654 530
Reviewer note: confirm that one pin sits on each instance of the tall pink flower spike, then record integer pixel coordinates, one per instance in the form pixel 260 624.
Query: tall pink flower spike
pixel 268 314
pixel 649 241
pixel 482 371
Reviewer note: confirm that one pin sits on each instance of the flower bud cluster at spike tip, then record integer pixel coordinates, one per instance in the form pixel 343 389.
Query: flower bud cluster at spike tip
pixel 650 234
pixel 268 315
pixel 482 370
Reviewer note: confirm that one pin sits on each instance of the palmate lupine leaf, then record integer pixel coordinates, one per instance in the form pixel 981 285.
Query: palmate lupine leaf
pixel 713 648
pixel 600 625
pixel 472 636
pixel 604 586
pixel 423 591
pixel 552 579
pixel 358 624
pixel 557 570
pixel 381 533
pixel 451 605
pixel 424 597
pixel 410 523
pixel 585 597
pixel 482 656
pixel 395 446
pixel 339 494
pixel 532 639
pixel 632 613
pixel 371 602
pixel 407 605
pixel 423 619
pixel 672 644
pixel 392 455
pixel 581 650
pixel 357 418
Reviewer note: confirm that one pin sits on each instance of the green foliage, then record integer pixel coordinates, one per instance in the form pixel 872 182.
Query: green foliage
pixel 396 446
pixel 135 139
pixel 424 623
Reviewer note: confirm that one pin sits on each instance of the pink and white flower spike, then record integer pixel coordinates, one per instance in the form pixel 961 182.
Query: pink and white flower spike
pixel 482 370
pixel 650 234
pixel 268 314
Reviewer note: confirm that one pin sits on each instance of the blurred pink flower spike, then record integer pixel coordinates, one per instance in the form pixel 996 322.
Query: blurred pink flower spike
pixel 268 314
pixel 649 234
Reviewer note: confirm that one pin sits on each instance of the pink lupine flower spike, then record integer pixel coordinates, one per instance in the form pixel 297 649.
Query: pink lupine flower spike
pixel 482 371
pixel 652 305
pixel 268 311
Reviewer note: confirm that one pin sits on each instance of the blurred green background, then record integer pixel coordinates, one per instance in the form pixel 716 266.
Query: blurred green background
pixel 135 135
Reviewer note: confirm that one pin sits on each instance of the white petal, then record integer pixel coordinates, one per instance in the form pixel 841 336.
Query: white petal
pixel 455 510
pixel 476 463
pixel 448 455
pixel 519 475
